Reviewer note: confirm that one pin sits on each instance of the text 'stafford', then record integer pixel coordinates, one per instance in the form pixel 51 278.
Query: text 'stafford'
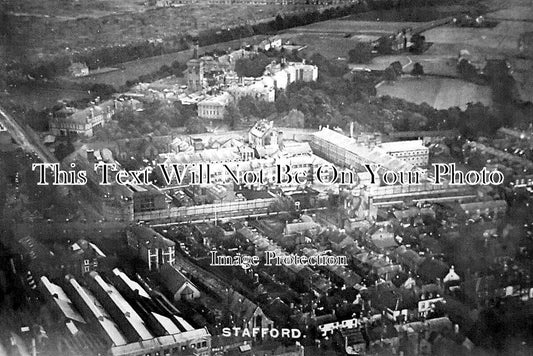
pixel 272 333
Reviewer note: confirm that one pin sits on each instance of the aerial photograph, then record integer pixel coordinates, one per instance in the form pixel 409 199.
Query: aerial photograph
pixel 266 177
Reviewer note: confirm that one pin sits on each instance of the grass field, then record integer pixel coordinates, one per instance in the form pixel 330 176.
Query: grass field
pixel 50 27
pixel 334 38
pixel 521 11
pixel 502 39
pixel 354 27
pixel 418 14
pixel 132 70
pixel 434 65
pixel 331 46
pixel 40 97
pixel 440 93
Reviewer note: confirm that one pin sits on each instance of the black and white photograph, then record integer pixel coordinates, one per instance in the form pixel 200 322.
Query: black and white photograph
pixel 266 177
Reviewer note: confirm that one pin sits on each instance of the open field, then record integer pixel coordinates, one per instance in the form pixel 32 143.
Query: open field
pixel 132 70
pixel 440 93
pixel 331 46
pixel 33 29
pixel 72 9
pixel 515 17
pixel 344 26
pixel 418 14
pixel 334 38
pixel 433 65
pixel 502 39
pixel 521 12
pixel 40 97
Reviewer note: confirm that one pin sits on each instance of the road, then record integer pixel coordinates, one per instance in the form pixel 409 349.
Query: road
pixel 24 138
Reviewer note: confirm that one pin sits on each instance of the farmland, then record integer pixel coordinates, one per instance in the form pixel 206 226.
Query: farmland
pixel 417 14
pixel 331 46
pixel 42 96
pixel 132 70
pixel 334 38
pixel 440 93
pixel 344 26
pixel 41 29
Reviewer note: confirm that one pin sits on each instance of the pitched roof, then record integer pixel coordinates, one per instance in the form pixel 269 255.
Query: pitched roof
pixel 242 307
pixel 173 278
pixel 83 247
pixel 149 237
pixel 62 300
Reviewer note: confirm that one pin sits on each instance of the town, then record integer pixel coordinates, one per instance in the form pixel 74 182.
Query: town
pixel 284 178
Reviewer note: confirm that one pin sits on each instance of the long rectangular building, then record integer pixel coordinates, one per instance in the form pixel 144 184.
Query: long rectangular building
pixel 412 151
pixel 124 315
pixel 346 152
pixel 95 313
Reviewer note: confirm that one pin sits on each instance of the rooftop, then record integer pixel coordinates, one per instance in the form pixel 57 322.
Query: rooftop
pixel 125 308
pixel 397 146
pixel 368 155
pixel 62 300
pixel 150 237
pixel 99 313
pixel 133 285
pixel 220 99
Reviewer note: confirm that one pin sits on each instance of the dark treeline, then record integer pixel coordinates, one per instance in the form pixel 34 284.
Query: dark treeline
pixel 102 57
pixel 280 23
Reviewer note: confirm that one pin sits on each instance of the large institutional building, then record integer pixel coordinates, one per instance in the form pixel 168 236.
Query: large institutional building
pixel 412 151
pixel 71 121
pixel 277 76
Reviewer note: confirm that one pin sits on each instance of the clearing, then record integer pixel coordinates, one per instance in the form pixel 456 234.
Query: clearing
pixel 440 93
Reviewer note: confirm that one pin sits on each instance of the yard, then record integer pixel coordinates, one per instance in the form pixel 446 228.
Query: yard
pixel 440 93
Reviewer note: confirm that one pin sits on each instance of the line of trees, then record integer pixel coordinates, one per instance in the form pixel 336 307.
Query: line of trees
pixel 102 57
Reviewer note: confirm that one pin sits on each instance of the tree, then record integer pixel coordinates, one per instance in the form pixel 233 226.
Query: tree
pixel 232 116
pixel 419 43
pixel 384 45
pixel 417 69
pixel 362 53
pixel 252 67
pixel 104 91
pixel 466 69
pixel 195 126
pixel 397 67
pixel 327 67
pixel 390 74
pixel 279 23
